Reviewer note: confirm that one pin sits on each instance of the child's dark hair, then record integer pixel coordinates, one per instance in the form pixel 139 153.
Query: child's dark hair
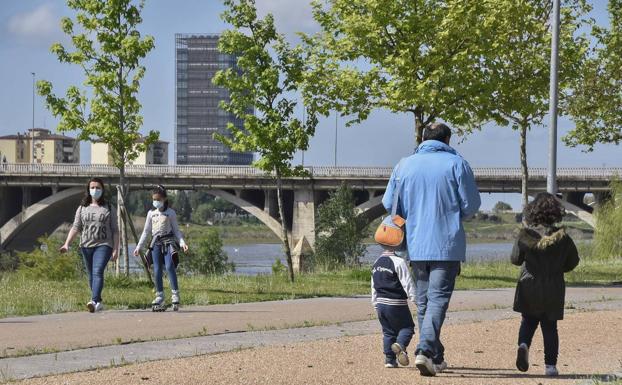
pixel 161 191
pixel 87 199
pixel 544 210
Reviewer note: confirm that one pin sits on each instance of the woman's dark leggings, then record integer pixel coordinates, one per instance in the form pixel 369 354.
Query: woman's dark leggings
pixel 528 327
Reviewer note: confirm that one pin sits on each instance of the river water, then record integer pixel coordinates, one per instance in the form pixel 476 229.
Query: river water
pixel 253 259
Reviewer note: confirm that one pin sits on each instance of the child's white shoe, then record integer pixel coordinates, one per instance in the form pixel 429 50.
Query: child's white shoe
pixel 400 354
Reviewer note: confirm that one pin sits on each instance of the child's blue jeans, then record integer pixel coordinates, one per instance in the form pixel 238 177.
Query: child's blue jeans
pixel 166 259
pixel 397 326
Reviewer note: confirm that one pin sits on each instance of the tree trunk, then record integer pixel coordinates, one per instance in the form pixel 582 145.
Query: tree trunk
pixel 122 223
pixel 127 216
pixel 418 126
pixel 117 265
pixel 286 246
pixel 523 164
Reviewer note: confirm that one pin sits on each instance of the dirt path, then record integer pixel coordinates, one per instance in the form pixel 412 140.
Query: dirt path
pixel 478 353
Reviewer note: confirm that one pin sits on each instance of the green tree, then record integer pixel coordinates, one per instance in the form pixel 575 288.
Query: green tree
pixel 608 233
pixel 340 232
pixel 108 47
pixel 519 63
pixel 416 56
pixel 595 97
pixel 184 209
pixel 268 72
pixel 209 257
pixel 501 206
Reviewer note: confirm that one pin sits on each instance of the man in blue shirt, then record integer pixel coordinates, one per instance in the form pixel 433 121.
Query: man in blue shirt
pixel 437 191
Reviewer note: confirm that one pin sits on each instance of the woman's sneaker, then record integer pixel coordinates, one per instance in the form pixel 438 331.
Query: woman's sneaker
pixel 551 371
pixel 400 353
pixel 425 365
pixel 91 306
pixel 522 357
pixel 390 363
pixel 99 307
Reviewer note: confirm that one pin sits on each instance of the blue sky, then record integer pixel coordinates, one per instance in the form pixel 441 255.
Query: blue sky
pixel 29 27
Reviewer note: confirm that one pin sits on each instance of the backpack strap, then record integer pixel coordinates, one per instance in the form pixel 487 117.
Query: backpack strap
pixel 396 191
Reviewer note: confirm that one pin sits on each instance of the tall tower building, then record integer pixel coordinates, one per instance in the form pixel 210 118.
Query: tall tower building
pixel 197 114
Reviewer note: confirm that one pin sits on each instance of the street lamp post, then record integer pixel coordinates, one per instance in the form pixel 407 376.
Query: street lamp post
pixel 336 127
pixel 32 133
pixel 551 178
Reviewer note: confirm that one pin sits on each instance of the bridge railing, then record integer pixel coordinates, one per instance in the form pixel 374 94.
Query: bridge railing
pixel 88 170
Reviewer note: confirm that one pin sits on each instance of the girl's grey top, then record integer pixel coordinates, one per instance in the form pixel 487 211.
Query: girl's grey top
pixel 160 223
pixel 97 225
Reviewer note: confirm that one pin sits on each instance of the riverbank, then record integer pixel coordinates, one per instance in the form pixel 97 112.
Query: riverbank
pixel 20 296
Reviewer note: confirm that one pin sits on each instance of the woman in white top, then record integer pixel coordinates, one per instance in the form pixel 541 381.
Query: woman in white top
pixel 166 240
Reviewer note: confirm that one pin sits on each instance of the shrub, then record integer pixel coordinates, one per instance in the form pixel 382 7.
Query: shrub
pixel 47 263
pixel 608 233
pixel 207 257
pixel 278 268
pixel 340 232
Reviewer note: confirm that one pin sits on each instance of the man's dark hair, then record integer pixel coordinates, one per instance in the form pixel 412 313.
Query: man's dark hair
pixel 544 210
pixel 437 131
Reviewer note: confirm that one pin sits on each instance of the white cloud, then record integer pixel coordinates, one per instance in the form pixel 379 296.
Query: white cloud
pixel 290 16
pixel 39 24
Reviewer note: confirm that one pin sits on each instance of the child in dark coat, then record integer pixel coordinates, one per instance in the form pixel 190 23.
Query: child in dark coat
pixel 544 252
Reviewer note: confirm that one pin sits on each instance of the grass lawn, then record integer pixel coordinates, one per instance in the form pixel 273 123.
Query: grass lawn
pixel 20 296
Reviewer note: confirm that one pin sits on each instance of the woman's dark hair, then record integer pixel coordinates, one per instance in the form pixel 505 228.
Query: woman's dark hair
pixel 161 191
pixel 544 210
pixel 87 199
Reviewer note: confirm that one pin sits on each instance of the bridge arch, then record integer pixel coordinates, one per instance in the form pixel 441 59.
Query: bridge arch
pixel 21 232
pixel 250 208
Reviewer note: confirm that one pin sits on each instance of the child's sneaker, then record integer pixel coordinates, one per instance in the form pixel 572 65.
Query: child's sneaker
pixel 159 299
pixel 91 306
pixel 425 365
pixel 400 353
pixel 551 371
pixel 390 363
pixel 175 299
pixel 522 357
pixel 98 307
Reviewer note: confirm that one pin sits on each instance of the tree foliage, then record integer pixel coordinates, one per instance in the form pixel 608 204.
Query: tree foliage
pixel 268 71
pixel 417 56
pixel 501 206
pixel 595 97
pixel 340 232
pixel 108 47
pixel 518 64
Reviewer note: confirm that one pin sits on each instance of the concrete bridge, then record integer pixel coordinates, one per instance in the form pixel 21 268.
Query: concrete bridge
pixel 37 198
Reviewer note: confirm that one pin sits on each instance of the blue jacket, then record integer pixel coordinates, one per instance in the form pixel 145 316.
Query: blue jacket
pixel 437 191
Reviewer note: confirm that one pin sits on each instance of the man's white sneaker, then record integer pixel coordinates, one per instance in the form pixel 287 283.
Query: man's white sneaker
pixel 522 358
pixel 91 306
pixel 99 307
pixel 440 368
pixel 551 371
pixel 400 354
pixel 425 365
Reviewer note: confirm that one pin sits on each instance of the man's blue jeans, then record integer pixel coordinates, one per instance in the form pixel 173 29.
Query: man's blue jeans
pixel 434 285
pixel 95 260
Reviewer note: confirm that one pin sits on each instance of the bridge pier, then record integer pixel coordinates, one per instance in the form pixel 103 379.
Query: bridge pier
pixel 303 228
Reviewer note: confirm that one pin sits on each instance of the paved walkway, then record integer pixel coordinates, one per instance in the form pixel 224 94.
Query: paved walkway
pixel 59 332
pixel 485 305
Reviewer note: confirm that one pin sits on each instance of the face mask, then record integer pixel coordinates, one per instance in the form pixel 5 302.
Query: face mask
pixel 157 204
pixel 96 193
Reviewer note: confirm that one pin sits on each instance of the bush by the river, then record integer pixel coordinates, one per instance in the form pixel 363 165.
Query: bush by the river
pixel 207 256
pixel 608 234
pixel 47 263
pixel 340 232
